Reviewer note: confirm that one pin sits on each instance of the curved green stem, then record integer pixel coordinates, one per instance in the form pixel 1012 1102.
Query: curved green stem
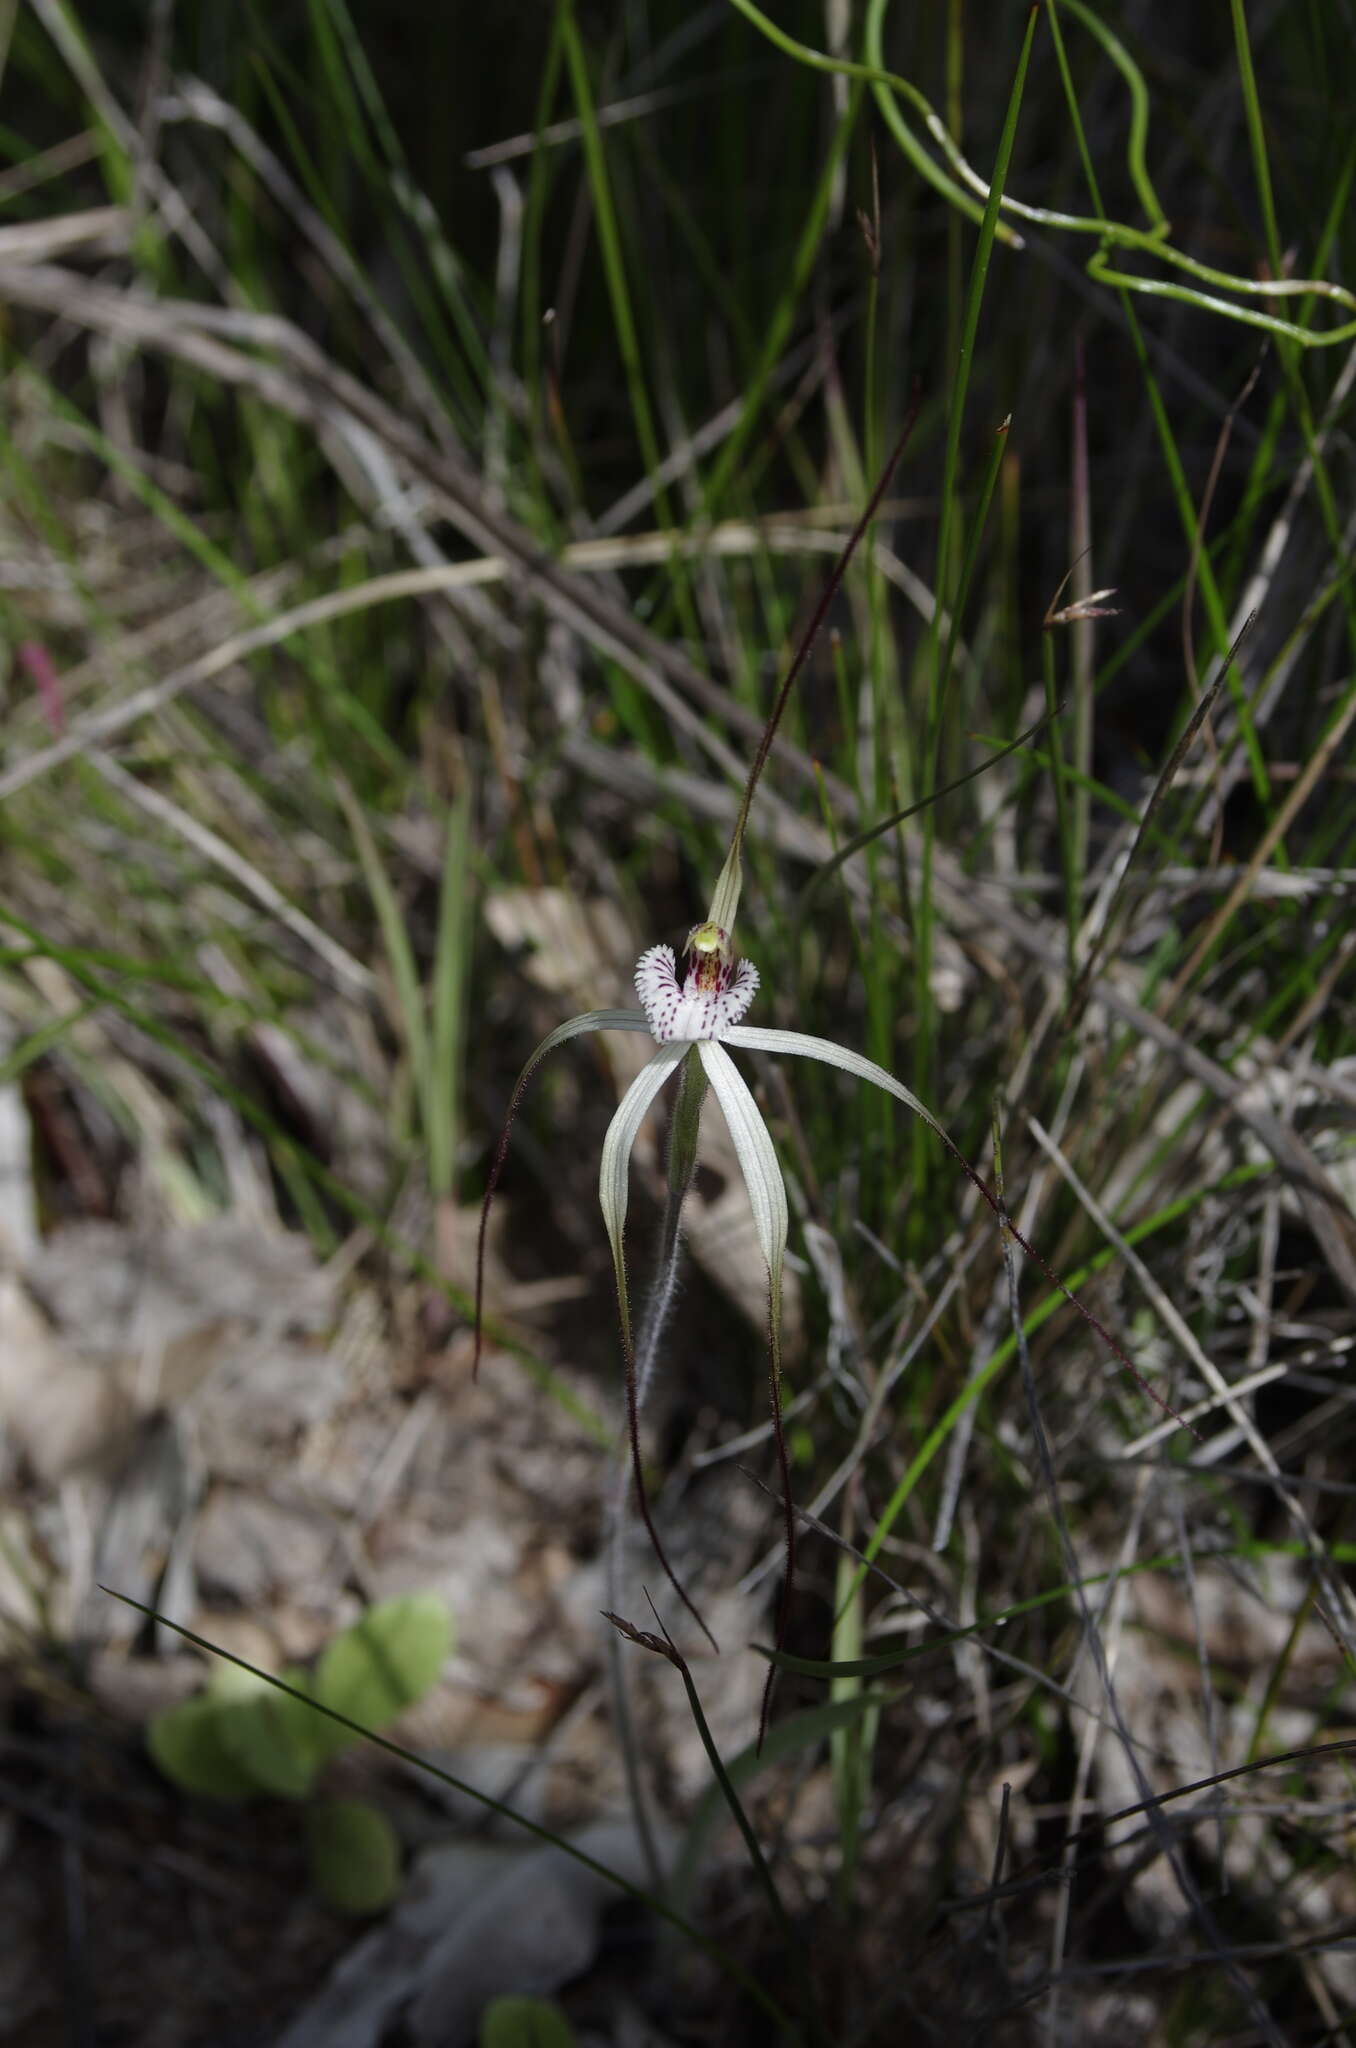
pixel 967 191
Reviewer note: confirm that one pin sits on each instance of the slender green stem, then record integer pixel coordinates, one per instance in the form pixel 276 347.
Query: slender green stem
pixel 619 292
pixel 969 195
pixel 1181 491
pixel 1252 108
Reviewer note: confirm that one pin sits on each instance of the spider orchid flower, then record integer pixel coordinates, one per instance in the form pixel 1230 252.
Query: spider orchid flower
pixel 697 1018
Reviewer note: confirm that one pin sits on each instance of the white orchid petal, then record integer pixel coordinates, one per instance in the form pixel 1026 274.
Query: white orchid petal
pixel 757 1157
pixel 614 1172
pixel 800 1042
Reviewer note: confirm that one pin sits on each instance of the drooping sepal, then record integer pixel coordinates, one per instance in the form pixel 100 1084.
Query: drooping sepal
pixel 762 1174
pixel 613 1188
pixel 573 1027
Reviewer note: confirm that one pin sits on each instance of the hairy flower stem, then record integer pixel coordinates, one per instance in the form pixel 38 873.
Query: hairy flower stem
pixel 687 1116
pixel 774 1371
pixel 682 1165
pixel 682 1162
pixel 642 1493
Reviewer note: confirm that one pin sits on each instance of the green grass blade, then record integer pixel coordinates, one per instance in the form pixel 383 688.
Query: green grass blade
pixel 936 678
pixel 400 959
pixel 451 976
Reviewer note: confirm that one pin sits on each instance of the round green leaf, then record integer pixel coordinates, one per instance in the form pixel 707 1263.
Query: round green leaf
pixel 525 2023
pixel 278 1741
pixel 355 1857
pixel 381 1665
pixel 186 1744
pixel 230 1681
